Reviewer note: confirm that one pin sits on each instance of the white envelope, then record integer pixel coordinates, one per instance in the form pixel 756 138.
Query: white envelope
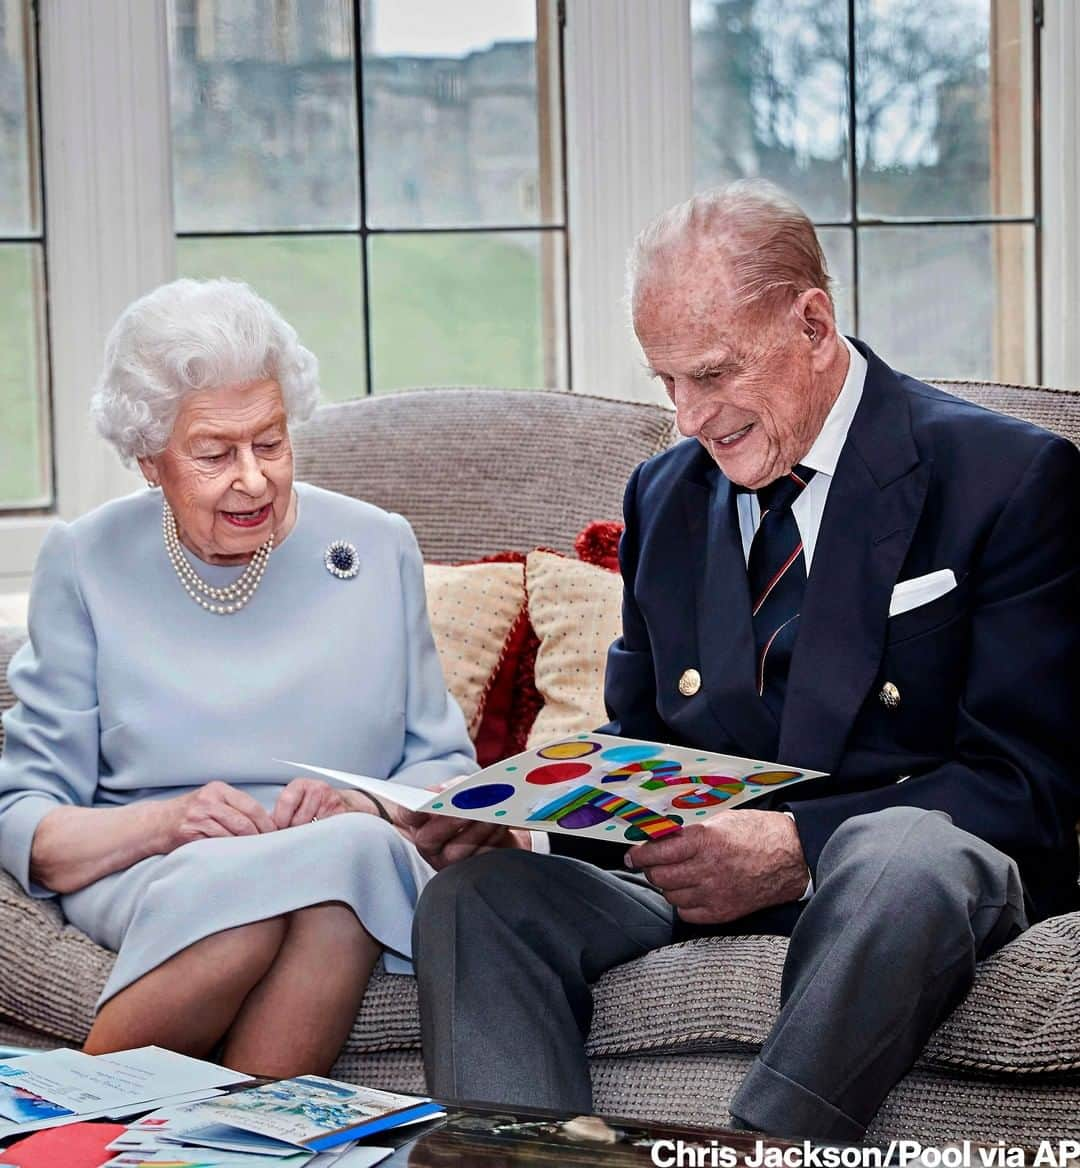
pixel 920 590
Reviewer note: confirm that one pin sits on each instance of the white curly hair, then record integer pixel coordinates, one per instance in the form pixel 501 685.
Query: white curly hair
pixel 187 336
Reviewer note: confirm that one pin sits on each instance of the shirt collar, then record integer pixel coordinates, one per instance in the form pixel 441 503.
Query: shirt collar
pixel 825 453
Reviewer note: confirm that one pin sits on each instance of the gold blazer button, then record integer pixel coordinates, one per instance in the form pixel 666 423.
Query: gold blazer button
pixel 689 683
pixel 889 696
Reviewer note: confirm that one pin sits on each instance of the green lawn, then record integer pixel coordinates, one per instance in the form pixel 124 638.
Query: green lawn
pixel 22 470
pixel 446 309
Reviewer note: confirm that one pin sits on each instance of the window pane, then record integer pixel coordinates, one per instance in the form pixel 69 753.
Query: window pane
pixel 466 309
pixel 837 245
pixel 944 107
pixel 18 190
pixel 460 115
pixel 950 301
pixel 24 428
pixel 264 115
pixel 314 282
pixel 770 97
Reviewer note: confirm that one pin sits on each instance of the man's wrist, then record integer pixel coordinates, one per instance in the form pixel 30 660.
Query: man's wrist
pixel 805 879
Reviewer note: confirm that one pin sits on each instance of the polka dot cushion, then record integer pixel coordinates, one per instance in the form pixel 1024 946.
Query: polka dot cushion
pixel 473 608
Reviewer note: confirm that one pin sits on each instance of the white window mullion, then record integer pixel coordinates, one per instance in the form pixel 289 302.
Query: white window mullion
pixel 108 196
pixel 1061 193
pixel 628 158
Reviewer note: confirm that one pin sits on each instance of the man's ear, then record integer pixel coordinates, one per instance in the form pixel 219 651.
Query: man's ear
pixel 814 311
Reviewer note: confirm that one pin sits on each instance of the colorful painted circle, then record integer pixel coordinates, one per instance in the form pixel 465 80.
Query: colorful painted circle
pixel 587 816
pixel 557 772
pixel 565 750
pixel 654 766
pixel 719 792
pixel 630 753
pixel 695 799
pixel 636 836
pixel 485 796
pixel 768 778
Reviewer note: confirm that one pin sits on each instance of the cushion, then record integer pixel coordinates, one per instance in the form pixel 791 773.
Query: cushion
pixel 500 734
pixel 512 702
pixel 576 610
pixel 11 639
pixel 598 543
pixel 473 609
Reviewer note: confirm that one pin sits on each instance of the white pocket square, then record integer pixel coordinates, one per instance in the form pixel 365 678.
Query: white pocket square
pixel 909 594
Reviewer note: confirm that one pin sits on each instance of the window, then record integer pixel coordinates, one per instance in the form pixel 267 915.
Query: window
pixel 25 448
pixel 907 131
pixel 402 206
pixel 124 169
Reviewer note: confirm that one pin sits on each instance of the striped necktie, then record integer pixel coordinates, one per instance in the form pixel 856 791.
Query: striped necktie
pixel 777 575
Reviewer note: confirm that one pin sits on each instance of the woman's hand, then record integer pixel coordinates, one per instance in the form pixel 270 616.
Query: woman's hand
pixel 213 811
pixel 306 799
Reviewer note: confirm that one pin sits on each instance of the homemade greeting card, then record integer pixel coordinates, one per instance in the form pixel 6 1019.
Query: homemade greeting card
pixel 596 785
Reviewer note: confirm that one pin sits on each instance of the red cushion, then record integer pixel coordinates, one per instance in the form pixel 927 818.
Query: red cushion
pixel 499 729
pixel 598 544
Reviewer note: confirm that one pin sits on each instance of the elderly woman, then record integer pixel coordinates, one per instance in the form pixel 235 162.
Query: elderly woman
pixel 182 641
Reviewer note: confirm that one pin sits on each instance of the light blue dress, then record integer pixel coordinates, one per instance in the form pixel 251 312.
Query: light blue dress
pixel 128 690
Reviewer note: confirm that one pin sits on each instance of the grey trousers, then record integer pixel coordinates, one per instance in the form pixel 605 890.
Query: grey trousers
pixel 508 944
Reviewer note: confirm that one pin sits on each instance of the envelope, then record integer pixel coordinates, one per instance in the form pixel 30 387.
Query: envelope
pixel 920 590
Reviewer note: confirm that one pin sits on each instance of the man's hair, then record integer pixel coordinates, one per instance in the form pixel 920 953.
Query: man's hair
pixel 764 238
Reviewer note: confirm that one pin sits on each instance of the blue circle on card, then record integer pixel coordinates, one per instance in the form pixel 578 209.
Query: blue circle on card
pixel 630 753
pixel 485 796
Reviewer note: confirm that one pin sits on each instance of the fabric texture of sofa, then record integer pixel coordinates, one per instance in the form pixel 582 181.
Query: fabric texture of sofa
pixel 481 472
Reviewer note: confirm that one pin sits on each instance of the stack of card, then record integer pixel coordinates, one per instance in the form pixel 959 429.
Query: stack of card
pixel 59 1087
pixel 307 1121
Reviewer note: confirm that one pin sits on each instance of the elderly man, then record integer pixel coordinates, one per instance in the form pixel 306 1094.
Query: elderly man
pixel 845 569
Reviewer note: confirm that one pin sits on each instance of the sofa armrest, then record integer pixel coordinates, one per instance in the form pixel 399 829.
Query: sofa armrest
pixel 52 973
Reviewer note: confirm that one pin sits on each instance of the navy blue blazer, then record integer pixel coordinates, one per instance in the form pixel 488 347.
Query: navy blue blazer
pixel 988 719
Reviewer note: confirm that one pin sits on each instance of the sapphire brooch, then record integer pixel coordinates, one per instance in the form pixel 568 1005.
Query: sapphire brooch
pixel 341 560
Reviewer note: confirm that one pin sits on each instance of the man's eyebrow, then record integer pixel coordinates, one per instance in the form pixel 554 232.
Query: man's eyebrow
pixel 711 368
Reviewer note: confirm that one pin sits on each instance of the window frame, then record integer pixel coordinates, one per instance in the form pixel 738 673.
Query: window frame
pixel 105 125
pixel 555 323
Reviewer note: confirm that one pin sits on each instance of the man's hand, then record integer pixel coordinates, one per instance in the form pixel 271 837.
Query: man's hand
pixel 306 799
pixel 444 840
pixel 214 810
pixel 732 865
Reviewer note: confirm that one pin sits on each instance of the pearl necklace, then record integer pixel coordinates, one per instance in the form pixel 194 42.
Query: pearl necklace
pixel 222 601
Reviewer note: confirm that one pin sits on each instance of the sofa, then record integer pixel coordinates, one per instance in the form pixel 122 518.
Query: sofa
pixel 485 474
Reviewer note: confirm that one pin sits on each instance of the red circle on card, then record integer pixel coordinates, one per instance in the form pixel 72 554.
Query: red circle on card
pixel 558 772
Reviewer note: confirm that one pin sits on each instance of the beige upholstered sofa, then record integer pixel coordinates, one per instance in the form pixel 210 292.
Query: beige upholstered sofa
pixel 481 471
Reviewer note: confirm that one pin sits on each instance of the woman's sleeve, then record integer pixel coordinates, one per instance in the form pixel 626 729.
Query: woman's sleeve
pixel 50 753
pixel 437 745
